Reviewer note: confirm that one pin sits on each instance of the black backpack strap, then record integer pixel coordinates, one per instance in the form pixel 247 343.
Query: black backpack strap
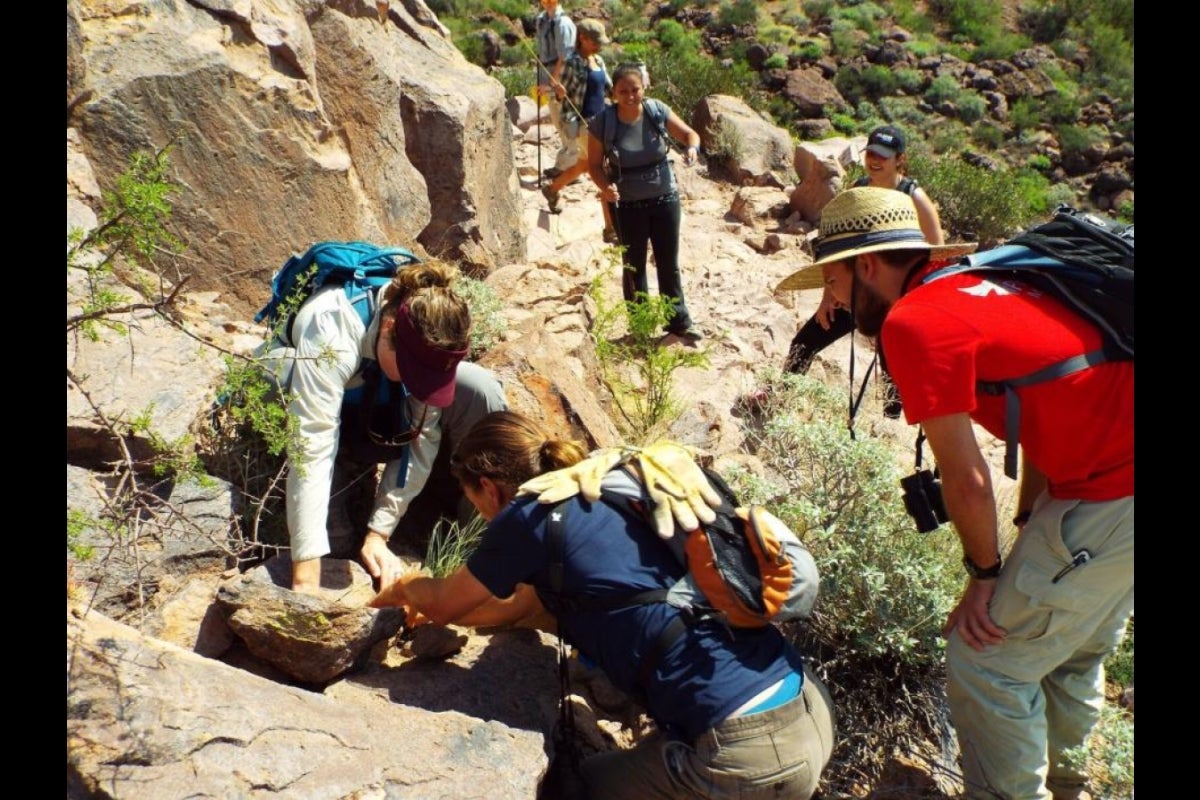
pixel 907 185
pixel 1012 402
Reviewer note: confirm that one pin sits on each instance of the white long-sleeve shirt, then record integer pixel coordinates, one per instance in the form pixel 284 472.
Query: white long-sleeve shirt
pixel 331 343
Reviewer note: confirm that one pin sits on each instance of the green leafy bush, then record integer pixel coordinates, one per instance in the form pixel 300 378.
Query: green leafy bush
pixel 1108 756
pixel 885 588
pixel 818 9
pixel 987 134
pixel 1039 162
pixel 974 202
pixel 738 12
pixel 776 61
pixel 943 88
pixel 636 366
pixel 912 81
pixel 969 20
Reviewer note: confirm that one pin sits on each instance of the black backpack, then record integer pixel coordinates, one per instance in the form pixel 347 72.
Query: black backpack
pixel 1084 260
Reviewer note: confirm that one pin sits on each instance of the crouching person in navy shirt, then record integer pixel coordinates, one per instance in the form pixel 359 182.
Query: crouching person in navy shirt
pixel 738 715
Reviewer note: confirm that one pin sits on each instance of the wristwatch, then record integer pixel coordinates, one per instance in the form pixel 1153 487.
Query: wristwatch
pixel 978 572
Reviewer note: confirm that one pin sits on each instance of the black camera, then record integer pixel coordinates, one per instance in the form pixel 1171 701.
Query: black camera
pixel 923 500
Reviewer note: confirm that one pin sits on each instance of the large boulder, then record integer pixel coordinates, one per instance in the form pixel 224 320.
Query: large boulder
pixel 745 148
pixel 292 122
pixel 811 93
pixel 147 719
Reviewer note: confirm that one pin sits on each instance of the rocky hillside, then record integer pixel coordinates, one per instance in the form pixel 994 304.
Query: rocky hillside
pixel 295 122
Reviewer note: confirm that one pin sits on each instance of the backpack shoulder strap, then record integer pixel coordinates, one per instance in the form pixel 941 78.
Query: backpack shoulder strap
pixel 651 110
pixel 907 185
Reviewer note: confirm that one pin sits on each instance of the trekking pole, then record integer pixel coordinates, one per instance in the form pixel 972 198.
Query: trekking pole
pixel 537 104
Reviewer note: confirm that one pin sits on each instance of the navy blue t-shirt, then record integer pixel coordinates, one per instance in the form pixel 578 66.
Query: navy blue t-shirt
pixel 702 678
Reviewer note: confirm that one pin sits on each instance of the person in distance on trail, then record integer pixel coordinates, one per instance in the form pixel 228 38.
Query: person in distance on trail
pixel 642 191
pixel 555 37
pixel 1028 639
pixel 587 86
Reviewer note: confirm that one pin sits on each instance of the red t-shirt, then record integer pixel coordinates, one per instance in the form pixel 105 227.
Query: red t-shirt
pixel 940 337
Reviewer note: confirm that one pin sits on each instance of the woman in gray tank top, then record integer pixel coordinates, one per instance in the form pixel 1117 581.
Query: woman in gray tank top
pixel 635 133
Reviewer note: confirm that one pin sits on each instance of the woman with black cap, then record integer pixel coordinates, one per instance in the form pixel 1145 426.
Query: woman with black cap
pixel 887 167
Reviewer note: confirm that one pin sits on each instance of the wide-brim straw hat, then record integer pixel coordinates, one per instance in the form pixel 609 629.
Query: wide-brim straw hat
pixel 866 220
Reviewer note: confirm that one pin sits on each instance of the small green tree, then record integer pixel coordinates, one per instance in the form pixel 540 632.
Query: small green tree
pixel 637 367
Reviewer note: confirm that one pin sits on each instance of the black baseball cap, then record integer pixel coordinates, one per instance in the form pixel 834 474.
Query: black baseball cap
pixel 886 141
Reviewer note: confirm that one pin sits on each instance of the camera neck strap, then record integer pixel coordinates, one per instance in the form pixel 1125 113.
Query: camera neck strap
pixel 920 449
pixel 856 401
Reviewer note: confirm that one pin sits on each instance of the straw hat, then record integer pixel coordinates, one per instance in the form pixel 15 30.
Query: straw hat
pixel 866 220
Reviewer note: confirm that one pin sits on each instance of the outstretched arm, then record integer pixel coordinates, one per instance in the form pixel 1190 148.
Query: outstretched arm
pixel 684 133
pixel 927 217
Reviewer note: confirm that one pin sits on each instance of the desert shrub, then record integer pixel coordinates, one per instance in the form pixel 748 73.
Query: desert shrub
pixel 1125 211
pixel 738 12
pixel 974 202
pixel 1074 139
pixel 902 110
pixel 885 588
pixel 635 365
pixel 971 107
pixel 911 18
pixel 999 44
pixel 921 48
pixel 947 136
pixel 842 122
pixel 671 34
pixel 871 83
pixel 776 34
pixel 987 134
pixel 811 50
pixel 795 20
pixel 865 17
pixel 969 20
pixel 681 76
pixel 912 81
pixel 1039 162
pixel 776 61
pixel 943 88
pixel 487 320
pixel 845 38
pixel 818 9
pixel 1107 756
pixel 517 81
pixel 1025 114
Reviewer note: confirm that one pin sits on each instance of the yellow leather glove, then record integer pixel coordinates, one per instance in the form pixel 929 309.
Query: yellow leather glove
pixel 678 486
pixel 582 478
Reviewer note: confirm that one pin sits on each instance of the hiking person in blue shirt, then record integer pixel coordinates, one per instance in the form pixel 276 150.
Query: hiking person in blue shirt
pixel 555 35
pixel 738 715
pixel 643 194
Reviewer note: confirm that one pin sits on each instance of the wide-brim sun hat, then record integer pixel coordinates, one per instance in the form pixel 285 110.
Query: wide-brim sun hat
pixel 867 219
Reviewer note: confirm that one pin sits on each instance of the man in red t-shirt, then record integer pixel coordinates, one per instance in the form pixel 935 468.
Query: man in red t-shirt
pixel 1028 638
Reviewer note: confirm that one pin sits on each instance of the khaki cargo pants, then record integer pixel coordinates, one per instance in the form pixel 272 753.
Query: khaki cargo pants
pixel 1018 705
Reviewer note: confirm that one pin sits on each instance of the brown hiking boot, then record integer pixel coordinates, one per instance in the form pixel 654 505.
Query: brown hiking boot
pixel 552 198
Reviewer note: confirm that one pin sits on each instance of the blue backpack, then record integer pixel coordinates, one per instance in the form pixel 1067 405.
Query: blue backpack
pixel 375 426
pixel 360 267
pixel 1084 260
